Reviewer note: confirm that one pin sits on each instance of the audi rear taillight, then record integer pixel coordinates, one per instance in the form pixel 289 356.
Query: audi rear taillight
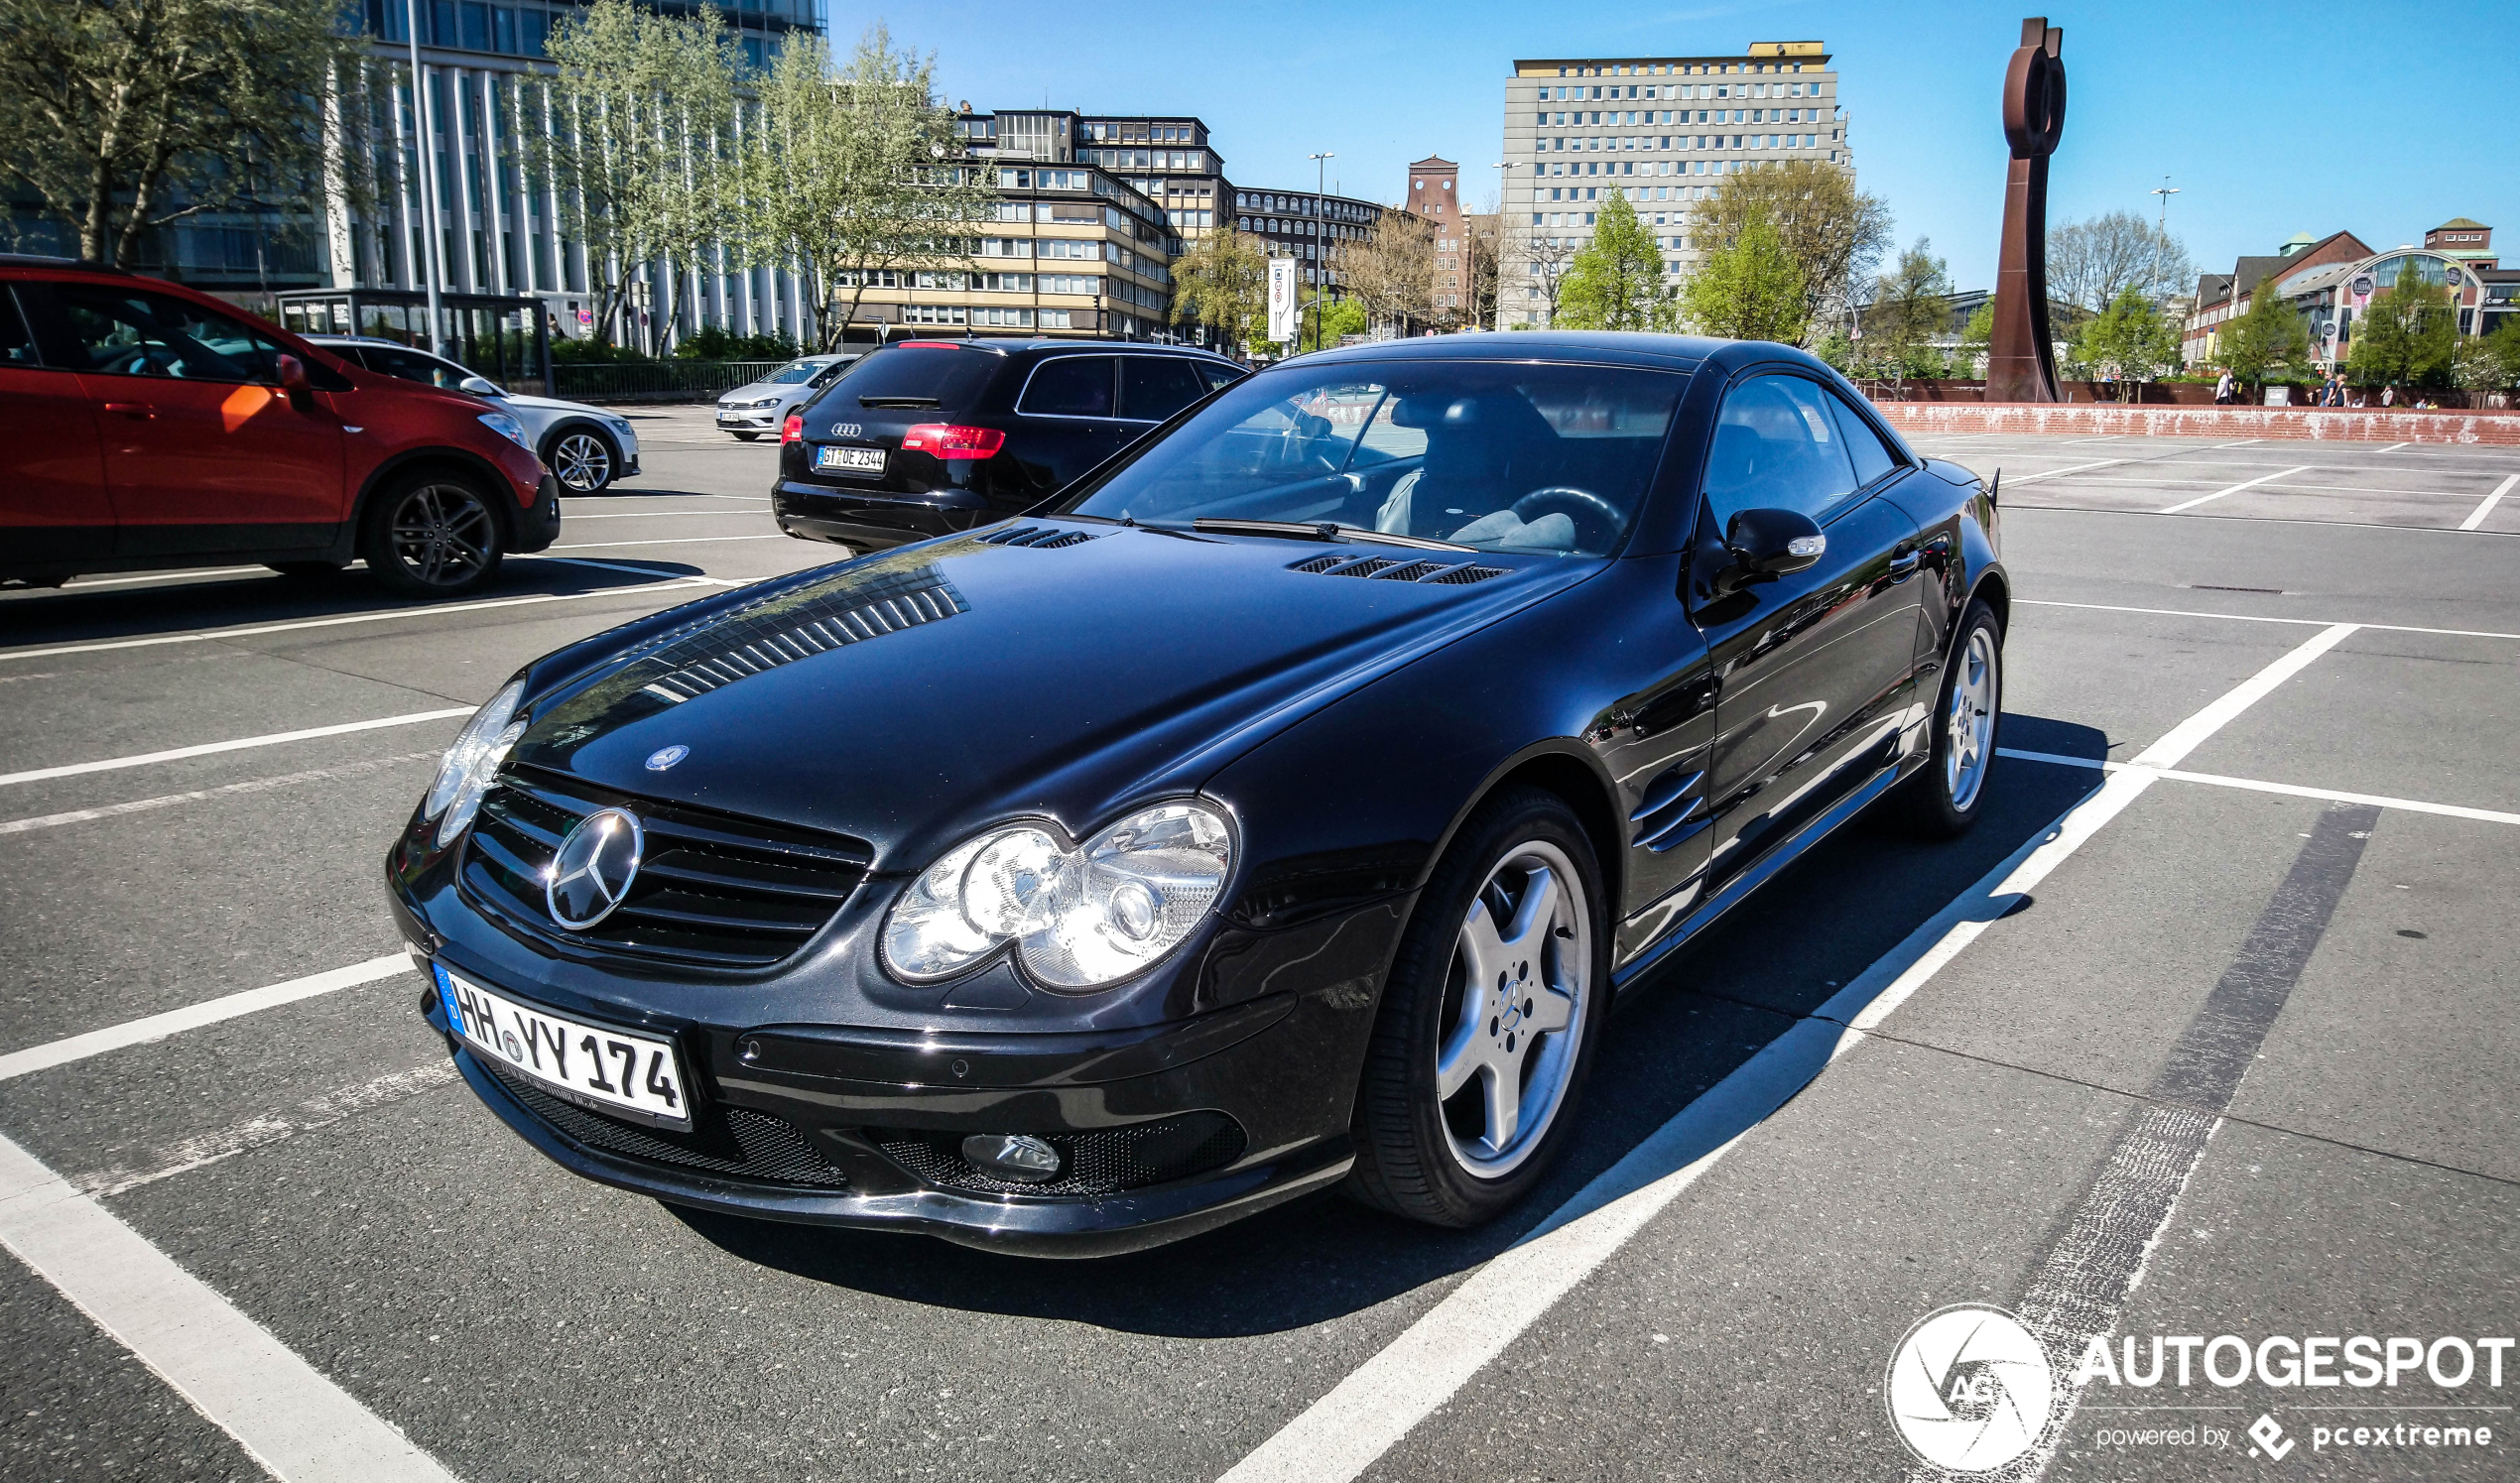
pixel 951 440
pixel 792 429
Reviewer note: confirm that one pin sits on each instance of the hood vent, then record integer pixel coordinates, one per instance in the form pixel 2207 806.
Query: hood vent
pixel 782 632
pixel 1038 537
pixel 1385 570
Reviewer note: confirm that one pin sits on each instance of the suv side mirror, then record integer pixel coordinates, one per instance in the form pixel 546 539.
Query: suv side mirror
pixel 293 376
pixel 1768 544
pixel 479 386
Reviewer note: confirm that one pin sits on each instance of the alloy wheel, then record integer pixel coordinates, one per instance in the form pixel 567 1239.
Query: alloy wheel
pixel 1977 693
pixel 1514 1008
pixel 443 534
pixel 582 462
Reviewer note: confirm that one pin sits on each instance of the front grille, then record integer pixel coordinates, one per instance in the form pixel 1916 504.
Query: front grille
pixel 1104 1161
pixel 1382 568
pixel 712 891
pixel 735 1141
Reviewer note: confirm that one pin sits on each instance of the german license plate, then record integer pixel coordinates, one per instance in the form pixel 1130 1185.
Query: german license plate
pixel 603 1066
pixel 850 460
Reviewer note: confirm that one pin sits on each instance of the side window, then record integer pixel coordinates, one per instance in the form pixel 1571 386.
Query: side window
pixel 411 365
pixel 1070 386
pixel 1776 448
pixel 124 332
pixel 17 348
pixel 1153 387
pixel 1872 456
pixel 1217 374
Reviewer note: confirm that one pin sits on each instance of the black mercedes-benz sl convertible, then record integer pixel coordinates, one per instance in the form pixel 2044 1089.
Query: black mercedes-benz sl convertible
pixel 1279 806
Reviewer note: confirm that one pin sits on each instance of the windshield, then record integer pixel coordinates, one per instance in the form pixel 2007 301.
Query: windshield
pixel 915 377
pixel 793 372
pixel 1542 458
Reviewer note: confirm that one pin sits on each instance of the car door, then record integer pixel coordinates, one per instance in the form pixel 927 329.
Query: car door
pixel 53 501
pixel 1813 672
pixel 1153 387
pixel 1069 418
pixel 204 451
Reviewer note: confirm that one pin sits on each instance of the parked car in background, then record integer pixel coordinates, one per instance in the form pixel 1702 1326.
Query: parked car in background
pixel 924 437
pixel 144 425
pixel 587 447
pixel 760 407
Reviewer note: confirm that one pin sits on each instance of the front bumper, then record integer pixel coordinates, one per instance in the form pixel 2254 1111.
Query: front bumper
pixel 872 519
pixel 747 420
pixel 538 524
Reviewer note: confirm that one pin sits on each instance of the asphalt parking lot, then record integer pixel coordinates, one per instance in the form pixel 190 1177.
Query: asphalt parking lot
pixel 2207 1030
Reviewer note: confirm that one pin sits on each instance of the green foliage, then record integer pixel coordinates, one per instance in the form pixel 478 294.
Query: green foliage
pixel 1832 233
pixel 2491 364
pixel 120 117
pixel 2408 337
pixel 713 343
pixel 573 352
pixel 1616 280
pixel 1750 291
pixel 1324 321
pixel 2270 338
pixel 1911 305
pixel 1837 351
pixel 1979 334
pixel 1223 282
pixel 2129 339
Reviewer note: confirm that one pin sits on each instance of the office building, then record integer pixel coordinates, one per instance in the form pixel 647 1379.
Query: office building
pixel 1663 131
pixel 1435 197
pixel 1307 224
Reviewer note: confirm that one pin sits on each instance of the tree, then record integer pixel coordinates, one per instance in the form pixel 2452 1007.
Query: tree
pixel 1615 280
pixel 2409 336
pixel 2490 363
pixel 643 107
pixel 2269 337
pixel 857 176
pixel 1391 269
pixel 2131 340
pixel 1750 291
pixel 2089 263
pixel 1482 248
pixel 1832 235
pixel 121 117
pixel 1911 305
pixel 1223 282
pixel 1544 261
pixel 1325 321
pixel 1975 339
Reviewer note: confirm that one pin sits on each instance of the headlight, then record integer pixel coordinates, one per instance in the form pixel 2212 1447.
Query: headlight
pixel 618 425
pixel 1077 918
pixel 464 776
pixel 508 428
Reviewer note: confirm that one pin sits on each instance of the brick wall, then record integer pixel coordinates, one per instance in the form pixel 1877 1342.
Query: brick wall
pixel 2326 425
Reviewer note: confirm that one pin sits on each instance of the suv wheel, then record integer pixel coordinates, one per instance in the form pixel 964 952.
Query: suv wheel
pixel 748 436
pixel 582 460
pixel 434 534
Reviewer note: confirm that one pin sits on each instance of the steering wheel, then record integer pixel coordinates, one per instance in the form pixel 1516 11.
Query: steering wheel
pixel 1596 520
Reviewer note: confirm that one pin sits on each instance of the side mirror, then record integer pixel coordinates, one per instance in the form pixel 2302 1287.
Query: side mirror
pixel 293 376
pixel 1768 544
pixel 480 386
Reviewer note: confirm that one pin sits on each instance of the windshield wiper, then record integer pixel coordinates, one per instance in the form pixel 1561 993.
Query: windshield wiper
pixel 1323 530
pixel 896 400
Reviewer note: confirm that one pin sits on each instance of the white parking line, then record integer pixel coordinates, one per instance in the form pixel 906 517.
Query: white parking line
pixel 1380 1402
pixel 2072 468
pixel 169 801
pixel 2111 608
pixel 240 744
pixel 157 1027
pixel 674 541
pixel 81 584
pixel 285 1412
pixel 2478 516
pixel 2288 790
pixel 213 635
pixel 2391 448
pixel 2237 488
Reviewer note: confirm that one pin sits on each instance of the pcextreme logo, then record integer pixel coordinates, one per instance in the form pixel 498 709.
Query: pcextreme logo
pixel 1969 1388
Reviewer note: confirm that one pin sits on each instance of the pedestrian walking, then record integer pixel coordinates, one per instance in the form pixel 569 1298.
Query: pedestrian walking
pixel 2223 390
pixel 2389 395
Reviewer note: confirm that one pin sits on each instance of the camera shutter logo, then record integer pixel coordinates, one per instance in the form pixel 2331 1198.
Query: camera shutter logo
pixel 594 868
pixel 1968 1389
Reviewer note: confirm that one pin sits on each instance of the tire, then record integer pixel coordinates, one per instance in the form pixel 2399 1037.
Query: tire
pixel 305 572
pixel 1944 796
pixel 1438 1159
pixel 434 534
pixel 582 460
pixel 747 438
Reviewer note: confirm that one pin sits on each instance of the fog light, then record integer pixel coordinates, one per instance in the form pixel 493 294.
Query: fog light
pixel 1012 1156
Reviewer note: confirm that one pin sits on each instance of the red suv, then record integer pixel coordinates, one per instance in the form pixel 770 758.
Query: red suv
pixel 145 425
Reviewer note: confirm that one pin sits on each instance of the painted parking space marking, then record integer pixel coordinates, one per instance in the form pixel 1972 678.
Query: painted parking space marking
pixel 2478 516
pixel 1379 1402
pixel 199 795
pixel 2203 499
pixel 157 1027
pixel 2071 468
pixel 238 744
pixel 2288 790
pixel 2111 607
pixel 676 541
pixel 284 1411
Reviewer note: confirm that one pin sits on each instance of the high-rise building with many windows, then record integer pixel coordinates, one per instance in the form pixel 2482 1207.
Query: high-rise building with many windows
pixel 1662 131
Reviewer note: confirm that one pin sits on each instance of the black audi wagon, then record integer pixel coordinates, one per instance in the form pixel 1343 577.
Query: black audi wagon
pixel 925 438
pixel 1280 807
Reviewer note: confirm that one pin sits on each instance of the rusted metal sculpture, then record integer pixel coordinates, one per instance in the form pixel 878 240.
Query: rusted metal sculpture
pixel 2021 364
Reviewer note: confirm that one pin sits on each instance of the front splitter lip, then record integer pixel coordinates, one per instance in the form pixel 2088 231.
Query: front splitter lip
pixel 1038 1228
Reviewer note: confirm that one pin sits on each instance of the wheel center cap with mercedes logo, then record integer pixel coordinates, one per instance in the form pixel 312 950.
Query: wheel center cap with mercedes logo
pixel 593 870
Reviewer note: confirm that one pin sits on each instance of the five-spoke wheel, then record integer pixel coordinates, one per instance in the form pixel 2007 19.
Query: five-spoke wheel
pixel 1940 799
pixel 582 460
pixel 433 535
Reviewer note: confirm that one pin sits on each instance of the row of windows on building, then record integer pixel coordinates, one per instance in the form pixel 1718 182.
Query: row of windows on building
pixel 1186 162
pixel 1650 168
pixel 1652 142
pixel 1676 70
pixel 1665 116
pixel 987 316
pixel 1733 91
pixel 1303 205
pixel 1642 194
pixel 525 30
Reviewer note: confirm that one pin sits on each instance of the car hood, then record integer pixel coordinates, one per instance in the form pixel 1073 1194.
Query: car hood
pixel 547 404
pixel 756 390
pixel 908 697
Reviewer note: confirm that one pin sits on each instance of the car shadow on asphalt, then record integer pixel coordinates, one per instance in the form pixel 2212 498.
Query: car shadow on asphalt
pixel 76 614
pixel 1677 1034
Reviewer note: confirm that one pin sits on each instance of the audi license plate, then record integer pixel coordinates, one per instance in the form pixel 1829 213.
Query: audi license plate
pixel 603 1066
pixel 850 460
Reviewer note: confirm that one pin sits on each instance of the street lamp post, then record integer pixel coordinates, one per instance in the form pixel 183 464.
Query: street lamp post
pixel 1321 177
pixel 421 120
pixel 1499 316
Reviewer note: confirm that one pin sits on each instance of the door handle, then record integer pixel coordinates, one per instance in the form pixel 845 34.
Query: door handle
pixel 1905 558
pixel 136 411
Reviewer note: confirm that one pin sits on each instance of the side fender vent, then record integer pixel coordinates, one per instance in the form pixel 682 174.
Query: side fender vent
pixel 1038 537
pixel 1672 809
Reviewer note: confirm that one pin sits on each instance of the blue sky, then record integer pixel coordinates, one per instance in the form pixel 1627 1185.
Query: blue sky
pixel 2382 120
